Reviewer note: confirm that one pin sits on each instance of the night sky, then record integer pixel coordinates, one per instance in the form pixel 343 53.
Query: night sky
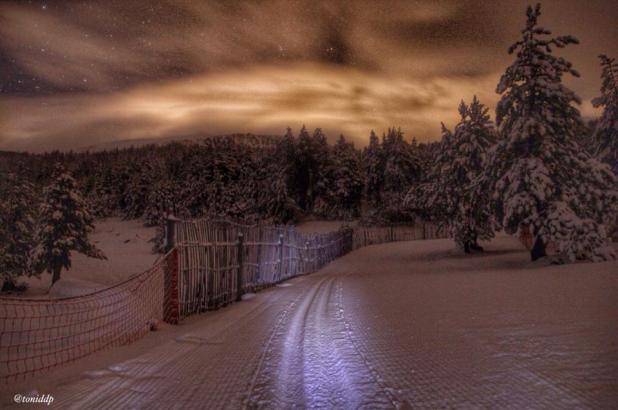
pixel 76 74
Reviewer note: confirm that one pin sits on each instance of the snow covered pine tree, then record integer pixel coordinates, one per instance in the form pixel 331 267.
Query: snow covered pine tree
pixel 543 180
pixel 17 218
pixel 275 201
pixel 452 195
pixel 373 167
pixel 402 170
pixel 341 182
pixel 606 132
pixel 63 226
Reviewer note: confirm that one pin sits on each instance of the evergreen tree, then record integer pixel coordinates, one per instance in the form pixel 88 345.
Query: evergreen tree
pixel 606 133
pixel 373 166
pixel 17 220
pixel 64 225
pixel 323 172
pixel 585 136
pixel 348 176
pixel 543 181
pixel 307 168
pixel 342 182
pixel 138 190
pixel 312 157
pixel 194 182
pixel 452 195
pixel 276 203
pixel 402 170
pixel 162 200
pixel 287 155
pixel 104 197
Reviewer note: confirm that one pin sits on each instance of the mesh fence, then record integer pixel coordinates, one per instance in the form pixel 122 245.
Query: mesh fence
pixel 39 334
pixel 212 264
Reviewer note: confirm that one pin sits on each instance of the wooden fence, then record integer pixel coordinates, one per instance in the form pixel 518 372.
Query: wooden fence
pixel 373 235
pixel 219 261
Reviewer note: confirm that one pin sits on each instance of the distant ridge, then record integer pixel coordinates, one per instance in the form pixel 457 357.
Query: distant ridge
pixel 252 140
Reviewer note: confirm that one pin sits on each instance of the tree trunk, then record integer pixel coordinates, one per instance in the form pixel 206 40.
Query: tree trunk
pixel 475 243
pixel 538 250
pixel 56 274
pixel 8 285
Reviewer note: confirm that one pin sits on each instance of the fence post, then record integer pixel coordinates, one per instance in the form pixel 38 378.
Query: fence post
pixel 280 244
pixel 258 268
pixel 307 258
pixel 171 308
pixel 240 250
pixel 391 233
pixel 170 232
pixel 350 244
pixel 171 305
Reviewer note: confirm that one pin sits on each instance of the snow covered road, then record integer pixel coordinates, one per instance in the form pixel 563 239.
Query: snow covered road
pixel 412 325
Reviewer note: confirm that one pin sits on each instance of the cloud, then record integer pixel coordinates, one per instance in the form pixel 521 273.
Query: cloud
pixel 80 72
pixel 261 99
pixel 115 44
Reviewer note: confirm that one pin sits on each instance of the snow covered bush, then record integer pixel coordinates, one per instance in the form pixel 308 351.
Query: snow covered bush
pixel 541 178
pixel 452 195
pixel 63 226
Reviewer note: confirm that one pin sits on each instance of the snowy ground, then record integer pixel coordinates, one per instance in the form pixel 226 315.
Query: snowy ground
pixel 128 250
pixel 411 324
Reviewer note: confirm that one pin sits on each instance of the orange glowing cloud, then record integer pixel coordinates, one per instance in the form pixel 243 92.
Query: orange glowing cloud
pixel 77 74
pixel 262 99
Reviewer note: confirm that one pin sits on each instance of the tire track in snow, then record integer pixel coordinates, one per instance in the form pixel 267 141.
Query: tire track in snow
pixel 379 380
pixel 250 401
pixel 311 359
pixel 278 372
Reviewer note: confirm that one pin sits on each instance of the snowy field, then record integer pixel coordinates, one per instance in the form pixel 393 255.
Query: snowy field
pixel 126 243
pixel 410 324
